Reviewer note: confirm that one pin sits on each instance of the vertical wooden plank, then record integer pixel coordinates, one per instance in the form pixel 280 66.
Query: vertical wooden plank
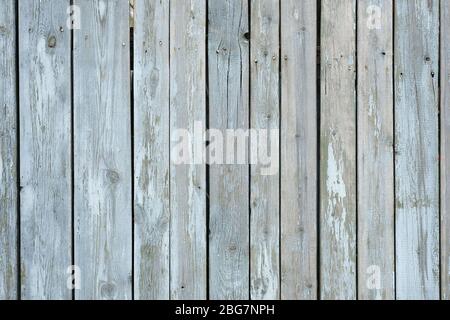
pixel 8 152
pixel 45 149
pixel 338 151
pixel 376 243
pixel 103 223
pixel 265 114
pixel 151 139
pixel 416 147
pixel 299 150
pixel 188 181
pixel 445 149
pixel 228 58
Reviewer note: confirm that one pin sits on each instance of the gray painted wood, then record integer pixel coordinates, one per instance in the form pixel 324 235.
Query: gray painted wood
pixel 364 153
pixel 103 216
pixel 45 152
pixel 151 149
pixel 228 58
pixel 299 150
pixel 376 244
pixel 445 150
pixel 416 147
pixel 188 181
pixel 8 152
pixel 265 114
pixel 338 151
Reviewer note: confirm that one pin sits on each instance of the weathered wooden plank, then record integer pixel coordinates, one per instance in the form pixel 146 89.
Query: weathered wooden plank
pixel 103 221
pixel 45 149
pixel 228 52
pixel 338 151
pixel 376 244
pixel 8 152
pixel 299 150
pixel 188 181
pixel 445 150
pixel 416 148
pixel 151 140
pixel 265 114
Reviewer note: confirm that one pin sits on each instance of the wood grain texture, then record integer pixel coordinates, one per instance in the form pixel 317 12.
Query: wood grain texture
pixel 103 221
pixel 45 162
pixel 416 147
pixel 188 181
pixel 151 158
pixel 228 59
pixel 265 114
pixel 357 207
pixel 376 243
pixel 8 152
pixel 445 150
pixel 299 150
pixel 338 151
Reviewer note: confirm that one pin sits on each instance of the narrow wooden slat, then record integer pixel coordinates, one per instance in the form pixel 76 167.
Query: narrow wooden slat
pixel 376 245
pixel 45 149
pixel 151 140
pixel 445 149
pixel 103 222
pixel 299 150
pixel 188 181
pixel 338 151
pixel 265 114
pixel 416 143
pixel 8 152
pixel 228 56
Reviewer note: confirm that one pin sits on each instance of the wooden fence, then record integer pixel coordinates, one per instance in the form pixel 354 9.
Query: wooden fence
pixel 93 207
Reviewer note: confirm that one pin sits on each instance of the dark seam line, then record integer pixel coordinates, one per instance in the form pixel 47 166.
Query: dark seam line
pixel 249 152
pixel 207 167
pixel 318 123
pixel 440 38
pixel 131 75
pixel 170 156
pixel 72 145
pixel 18 187
pixel 279 146
pixel 394 147
pixel 356 153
